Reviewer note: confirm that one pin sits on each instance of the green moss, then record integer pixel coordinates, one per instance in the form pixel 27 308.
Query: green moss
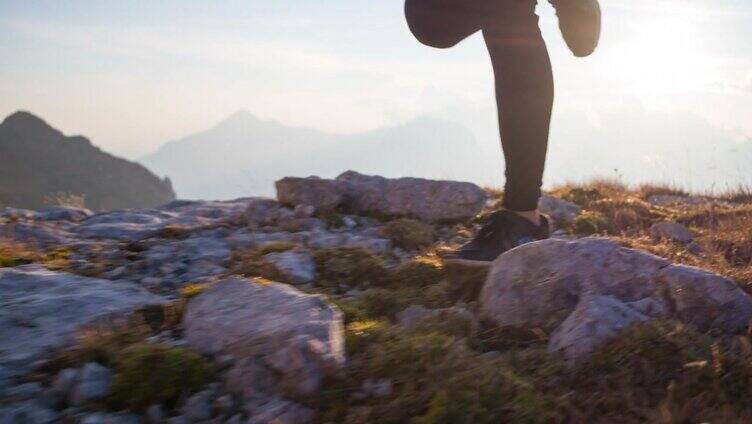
pixel 344 267
pixel 13 254
pixel 417 273
pixel 589 222
pixel 252 263
pixel 273 247
pixel 192 290
pixel 148 374
pixel 173 232
pixel 409 234
pixel 438 380
pixel 582 196
pixel 331 217
pixel 361 334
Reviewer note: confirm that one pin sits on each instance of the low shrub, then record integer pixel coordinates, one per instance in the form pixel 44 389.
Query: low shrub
pixel 409 234
pixel 417 273
pixel 14 254
pixel 342 268
pixel 147 374
pixel 589 222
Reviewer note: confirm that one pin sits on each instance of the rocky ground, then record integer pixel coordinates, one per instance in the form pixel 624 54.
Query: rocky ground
pixel 331 304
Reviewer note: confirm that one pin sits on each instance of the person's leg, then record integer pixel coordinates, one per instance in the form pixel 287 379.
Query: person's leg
pixel 442 23
pixel 524 95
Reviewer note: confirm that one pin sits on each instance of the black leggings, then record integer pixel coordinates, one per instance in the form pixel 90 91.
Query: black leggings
pixel 522 70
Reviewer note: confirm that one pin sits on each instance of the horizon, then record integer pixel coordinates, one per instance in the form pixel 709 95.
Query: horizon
pixel 133 77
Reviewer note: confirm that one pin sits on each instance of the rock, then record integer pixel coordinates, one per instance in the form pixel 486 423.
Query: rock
pixel 63 213
pixel 428 200
pixel 249 378
pixel 111 418
pixel 595 320
pixel 686 202
pixel 23 391
pixel 312 191
pixel 241 317
pixel 296 265
pixel 29 412
pixel 277 410
pixel 413 315
pixel 155 414
pixel 42 310
pixel 198 407
pixel 225 405
pixel 672 231
pixel 377 387
pixel 235 419
pixel 93 385
pixel 259 212
pixel 301 375
pixel 542 284
pixel 558 209
pixel 122 225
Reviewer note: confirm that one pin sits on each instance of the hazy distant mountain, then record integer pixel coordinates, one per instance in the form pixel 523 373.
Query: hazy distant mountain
pixel 244 155
pixel 38 161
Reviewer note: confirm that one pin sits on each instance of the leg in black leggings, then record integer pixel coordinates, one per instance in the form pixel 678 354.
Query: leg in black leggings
pixel 522 70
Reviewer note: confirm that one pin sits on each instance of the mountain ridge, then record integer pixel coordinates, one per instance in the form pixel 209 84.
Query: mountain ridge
pixel 39 162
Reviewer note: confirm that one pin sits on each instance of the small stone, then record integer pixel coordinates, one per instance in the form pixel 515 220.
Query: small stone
pixel 672 231
pixel 377 387
pixel 304 211
pixel 296 265
pixel 225 405
pixel 66 380
pixel 278 410
pixel 198 407
pixel 491 354
pixel 235 419
pixel 29 412
pixel 94 384
pixel 24 391
pixel 155 414
pixel 558 209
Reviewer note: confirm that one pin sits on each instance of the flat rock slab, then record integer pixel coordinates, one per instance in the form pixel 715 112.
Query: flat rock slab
pixel 585 291
pixel 428 200
pixel 42 310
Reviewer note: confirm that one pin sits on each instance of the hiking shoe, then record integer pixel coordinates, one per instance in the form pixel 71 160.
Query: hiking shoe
pixel 580 24
pixel 502 231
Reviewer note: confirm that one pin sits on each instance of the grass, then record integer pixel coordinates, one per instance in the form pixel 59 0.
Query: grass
pixel 147 374
pixel 14 254
pixel 409 234
pixel 252 263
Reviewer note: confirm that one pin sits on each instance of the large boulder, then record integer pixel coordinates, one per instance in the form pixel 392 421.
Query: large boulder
pixel 428 200
pixel 42 310
pixel 585 291
pixel 297 334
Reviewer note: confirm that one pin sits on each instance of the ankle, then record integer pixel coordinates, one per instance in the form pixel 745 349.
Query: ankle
pixel 533 216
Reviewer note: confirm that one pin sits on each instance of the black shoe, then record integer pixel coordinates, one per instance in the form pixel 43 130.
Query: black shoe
pixel 503 230
pixel 580 24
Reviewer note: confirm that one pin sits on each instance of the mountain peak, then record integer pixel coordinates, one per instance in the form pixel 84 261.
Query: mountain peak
pixel 28 124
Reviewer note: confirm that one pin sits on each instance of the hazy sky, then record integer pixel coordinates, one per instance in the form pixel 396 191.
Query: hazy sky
pixel 133 74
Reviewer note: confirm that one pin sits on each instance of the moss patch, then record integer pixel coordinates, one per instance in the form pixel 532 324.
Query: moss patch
pixel 344 267
pixel 146 374
pixel 409 234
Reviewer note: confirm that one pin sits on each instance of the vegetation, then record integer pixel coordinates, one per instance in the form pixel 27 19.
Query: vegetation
pixel 409 234
pixel 252 263
pixel 147 374
pixel 14 254
pixel 344 267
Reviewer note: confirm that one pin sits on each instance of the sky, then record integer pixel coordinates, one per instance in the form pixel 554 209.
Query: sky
pixel 131 75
